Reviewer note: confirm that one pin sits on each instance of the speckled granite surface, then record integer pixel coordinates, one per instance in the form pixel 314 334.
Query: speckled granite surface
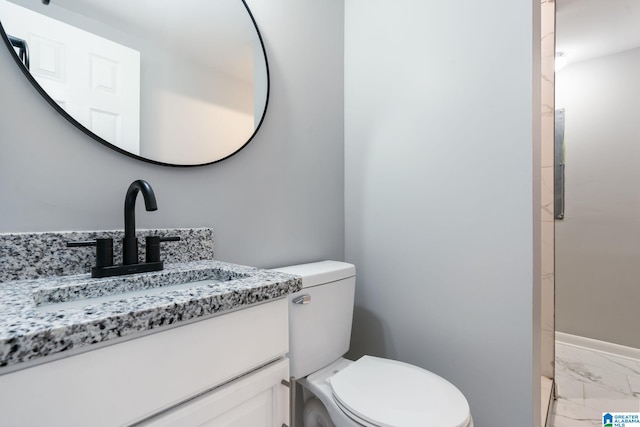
pixel 37 255
pixel 74 288
pixel 40 278
pixel 28 331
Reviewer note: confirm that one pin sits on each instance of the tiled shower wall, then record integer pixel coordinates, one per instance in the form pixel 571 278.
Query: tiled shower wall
pixel 547 195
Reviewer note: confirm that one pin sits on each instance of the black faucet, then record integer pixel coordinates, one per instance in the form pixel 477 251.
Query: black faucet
pixel 130 242
pixel 104 246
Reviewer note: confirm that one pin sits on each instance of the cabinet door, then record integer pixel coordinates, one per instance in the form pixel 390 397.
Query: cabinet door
pixel 258 399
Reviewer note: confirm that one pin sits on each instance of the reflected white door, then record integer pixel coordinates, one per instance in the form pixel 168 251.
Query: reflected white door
pixel 93 79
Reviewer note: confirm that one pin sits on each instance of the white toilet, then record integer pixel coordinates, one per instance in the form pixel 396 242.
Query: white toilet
pixel 371 391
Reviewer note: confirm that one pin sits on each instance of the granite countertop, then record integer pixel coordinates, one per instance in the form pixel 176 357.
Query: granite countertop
pixel 34 324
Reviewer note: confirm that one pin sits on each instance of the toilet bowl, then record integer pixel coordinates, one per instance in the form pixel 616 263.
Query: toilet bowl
pixel 370 392
pixel 375 392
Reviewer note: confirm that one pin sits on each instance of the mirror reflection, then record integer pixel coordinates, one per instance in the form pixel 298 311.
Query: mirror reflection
pixel 173 82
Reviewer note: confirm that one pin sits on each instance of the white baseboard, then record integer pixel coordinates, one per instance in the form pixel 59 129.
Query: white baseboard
pixel 546 400
pixel 597 345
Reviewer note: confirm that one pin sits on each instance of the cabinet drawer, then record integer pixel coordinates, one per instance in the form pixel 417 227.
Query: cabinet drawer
pixel 258 400
pixel 127 382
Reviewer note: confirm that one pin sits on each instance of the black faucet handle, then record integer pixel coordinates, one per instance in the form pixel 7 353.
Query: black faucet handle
pixel 152 244
pixel 170 239
pixel 104 250
pixel 81 244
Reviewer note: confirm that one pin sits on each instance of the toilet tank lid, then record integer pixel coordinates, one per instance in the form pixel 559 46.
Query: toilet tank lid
pixel 318 273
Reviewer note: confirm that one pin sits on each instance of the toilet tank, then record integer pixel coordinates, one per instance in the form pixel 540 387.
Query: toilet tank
pixel 320 315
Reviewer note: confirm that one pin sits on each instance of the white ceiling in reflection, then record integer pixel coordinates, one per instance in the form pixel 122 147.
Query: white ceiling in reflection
pixel 174 26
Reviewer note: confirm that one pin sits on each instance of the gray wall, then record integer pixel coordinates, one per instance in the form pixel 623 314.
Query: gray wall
pixel 441 179
pixel 278 201
pixel 598 242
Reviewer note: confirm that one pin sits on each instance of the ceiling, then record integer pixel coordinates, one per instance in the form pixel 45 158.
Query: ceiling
pixel 219 34
pixel 587 29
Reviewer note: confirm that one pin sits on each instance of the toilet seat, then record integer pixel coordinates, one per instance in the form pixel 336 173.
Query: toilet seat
pixel 387 393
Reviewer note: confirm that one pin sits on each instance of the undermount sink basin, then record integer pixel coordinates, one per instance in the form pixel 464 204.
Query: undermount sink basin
pixel 85 290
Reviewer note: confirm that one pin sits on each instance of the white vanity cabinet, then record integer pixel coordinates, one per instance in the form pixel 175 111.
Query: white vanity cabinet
pixel 223 371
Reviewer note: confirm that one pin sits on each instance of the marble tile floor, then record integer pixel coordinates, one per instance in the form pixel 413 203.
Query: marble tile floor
pixel 590 382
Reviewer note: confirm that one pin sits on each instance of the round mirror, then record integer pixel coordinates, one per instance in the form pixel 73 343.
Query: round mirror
pixel 178 83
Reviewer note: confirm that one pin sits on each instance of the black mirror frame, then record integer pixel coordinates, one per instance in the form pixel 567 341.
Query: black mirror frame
pixel 45 95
